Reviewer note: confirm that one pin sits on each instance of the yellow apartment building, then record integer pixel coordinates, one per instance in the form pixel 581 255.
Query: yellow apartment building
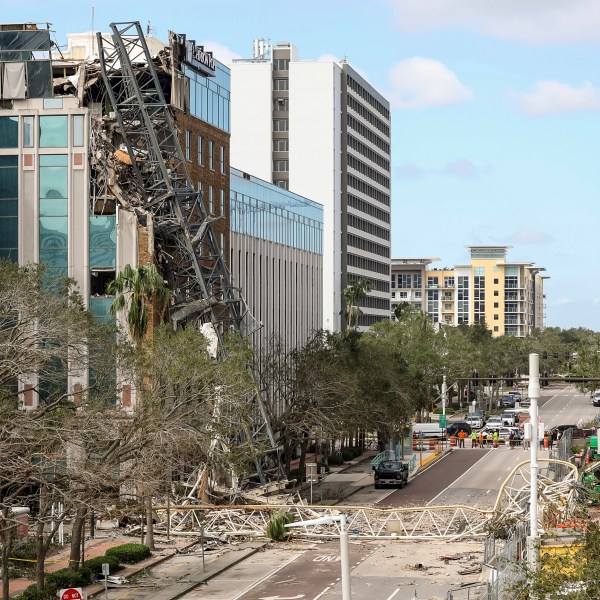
pixel 507 296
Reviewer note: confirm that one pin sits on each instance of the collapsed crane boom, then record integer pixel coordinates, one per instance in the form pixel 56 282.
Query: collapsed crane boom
pixel 184 239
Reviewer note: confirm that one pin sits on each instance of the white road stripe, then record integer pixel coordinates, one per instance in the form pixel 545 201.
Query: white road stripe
pixel 318 596
pixel 397 590
pixel 270 574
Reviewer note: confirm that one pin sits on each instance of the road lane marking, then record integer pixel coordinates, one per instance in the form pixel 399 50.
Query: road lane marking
pixel 323 592
pixel 458 479
pixel 270 574
pixel 390 597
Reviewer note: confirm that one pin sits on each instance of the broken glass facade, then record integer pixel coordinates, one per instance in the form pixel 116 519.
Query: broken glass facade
pixel 25 67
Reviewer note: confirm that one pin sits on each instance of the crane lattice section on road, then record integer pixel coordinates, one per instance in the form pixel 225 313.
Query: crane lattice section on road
pixel 556 489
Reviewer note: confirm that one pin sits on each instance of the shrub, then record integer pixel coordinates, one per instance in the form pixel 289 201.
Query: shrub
pixel 129 553
pixel 95 564
pixel 25 551
pixel 65 579
pixel 32 593
pixel 347 454
pixel 297 475
pixel 276 528
pixel 335 460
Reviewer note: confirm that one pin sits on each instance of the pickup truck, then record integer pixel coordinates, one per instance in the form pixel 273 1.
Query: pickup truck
pixel 391 472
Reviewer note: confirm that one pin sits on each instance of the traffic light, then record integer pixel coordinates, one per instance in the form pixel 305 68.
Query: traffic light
pixel 567 355
pixel 475 376
pixel 509 381
pixel 545 378
pixel 545 355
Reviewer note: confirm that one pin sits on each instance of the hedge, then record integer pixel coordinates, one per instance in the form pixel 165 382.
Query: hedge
pixel 64 578
pixel 129 553
pixel 95 564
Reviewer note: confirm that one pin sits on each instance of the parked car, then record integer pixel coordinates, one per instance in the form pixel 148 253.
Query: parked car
pixel 494 423
pixel 481 413
pixel 503 432
pixel 507 401
pixel 596 398
pixel 508 418
pixel 514 393
pixel 475 421
pixel 525 402
pixel 454 428
pixel 576 432
pixel 391 472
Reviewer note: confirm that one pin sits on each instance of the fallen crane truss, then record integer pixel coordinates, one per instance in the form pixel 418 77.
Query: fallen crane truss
pixel 162 195
pixel 556 490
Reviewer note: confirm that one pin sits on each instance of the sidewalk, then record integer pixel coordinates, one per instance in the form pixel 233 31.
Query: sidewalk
pixel 98 547
pixel 340 484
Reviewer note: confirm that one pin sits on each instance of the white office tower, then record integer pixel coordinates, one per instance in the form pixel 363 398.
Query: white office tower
pixel 320 130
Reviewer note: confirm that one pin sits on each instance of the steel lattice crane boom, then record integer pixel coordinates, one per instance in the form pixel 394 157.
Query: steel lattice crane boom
pixel 188 251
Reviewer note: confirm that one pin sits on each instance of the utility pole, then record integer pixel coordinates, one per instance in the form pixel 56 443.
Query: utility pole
pixel 534 394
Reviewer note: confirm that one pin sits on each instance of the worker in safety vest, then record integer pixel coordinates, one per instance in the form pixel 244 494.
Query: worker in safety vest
pixel 496 437
pixel 474 439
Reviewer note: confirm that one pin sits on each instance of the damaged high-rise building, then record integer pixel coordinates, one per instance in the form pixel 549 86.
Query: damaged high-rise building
pixel 91 180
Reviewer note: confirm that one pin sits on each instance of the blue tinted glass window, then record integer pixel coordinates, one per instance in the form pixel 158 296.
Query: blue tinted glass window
pixel 103 241
pixel 53 207
pixel 9 207
pixel 54 131
pixel 53 232
pixel 54 182
pixel 54 160
pixel 9 132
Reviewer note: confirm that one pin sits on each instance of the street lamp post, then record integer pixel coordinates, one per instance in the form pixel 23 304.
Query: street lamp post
pixel 344 547
pixel 534 394
pixel 444 394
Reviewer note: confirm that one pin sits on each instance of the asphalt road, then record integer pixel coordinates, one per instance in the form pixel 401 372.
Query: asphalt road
pixel 380 571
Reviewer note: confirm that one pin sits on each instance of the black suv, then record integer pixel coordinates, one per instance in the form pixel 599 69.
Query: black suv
pixel 391 472
pixel 507 401
pixel 454 428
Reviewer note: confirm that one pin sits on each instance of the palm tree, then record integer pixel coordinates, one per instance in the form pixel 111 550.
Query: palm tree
pixel 353 294
pixel 135 290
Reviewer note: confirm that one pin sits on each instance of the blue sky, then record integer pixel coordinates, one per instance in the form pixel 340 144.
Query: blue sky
pixel 496 113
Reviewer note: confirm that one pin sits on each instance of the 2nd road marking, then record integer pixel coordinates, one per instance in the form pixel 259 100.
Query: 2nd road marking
pixel 326 558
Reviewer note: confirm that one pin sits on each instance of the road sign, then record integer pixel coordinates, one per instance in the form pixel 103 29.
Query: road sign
pixel 443 421
pixel 71 594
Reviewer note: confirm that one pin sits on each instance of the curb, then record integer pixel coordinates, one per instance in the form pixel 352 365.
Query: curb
pixel 190 585
pixel 91 590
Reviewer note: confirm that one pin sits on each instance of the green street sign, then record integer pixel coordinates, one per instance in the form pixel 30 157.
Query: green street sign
pixel 443 421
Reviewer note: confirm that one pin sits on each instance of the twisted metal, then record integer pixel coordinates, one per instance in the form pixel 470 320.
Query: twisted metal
pixel 556 489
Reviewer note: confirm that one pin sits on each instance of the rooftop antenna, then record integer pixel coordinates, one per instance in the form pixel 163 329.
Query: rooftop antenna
pixel 261 48
pixel 93 33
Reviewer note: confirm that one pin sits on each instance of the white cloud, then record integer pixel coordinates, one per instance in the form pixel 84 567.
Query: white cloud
pixel 461 168
pixel 553 97
pixel 423 82
pixel 529 236
pixel 328 58
pixel 529 21
pixel 220 52
pixel 562 301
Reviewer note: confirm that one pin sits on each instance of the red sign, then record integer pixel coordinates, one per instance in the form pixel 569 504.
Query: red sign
pixel 71 594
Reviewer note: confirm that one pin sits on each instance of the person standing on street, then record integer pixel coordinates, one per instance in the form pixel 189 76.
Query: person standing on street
pixel 496 438
pixel 461 438
pixel 473 439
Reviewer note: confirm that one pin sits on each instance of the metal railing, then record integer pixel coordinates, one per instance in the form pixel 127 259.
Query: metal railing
pixel 385 455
